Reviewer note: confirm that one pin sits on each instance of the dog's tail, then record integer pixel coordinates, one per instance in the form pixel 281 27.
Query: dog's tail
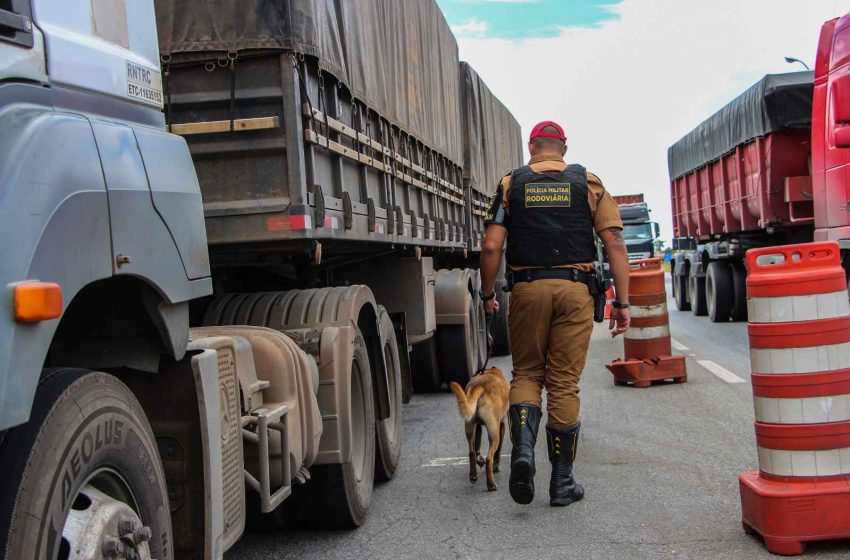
pixel 466 403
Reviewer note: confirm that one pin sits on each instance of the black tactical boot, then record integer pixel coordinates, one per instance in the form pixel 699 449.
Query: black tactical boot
pixel 562 444
pixel 524 420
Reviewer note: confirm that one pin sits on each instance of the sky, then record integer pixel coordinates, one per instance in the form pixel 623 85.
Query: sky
pixel 628 78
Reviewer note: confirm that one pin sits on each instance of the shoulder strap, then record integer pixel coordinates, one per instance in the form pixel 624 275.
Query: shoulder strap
pixel 576 168
pixel 506 187
pixel 520 170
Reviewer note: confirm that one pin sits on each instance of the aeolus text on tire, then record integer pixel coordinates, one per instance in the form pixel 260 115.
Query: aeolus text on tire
pixel 87 472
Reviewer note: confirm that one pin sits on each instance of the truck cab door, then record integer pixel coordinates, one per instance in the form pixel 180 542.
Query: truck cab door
pixel 834 109
pixel 142 246
pixel 176 196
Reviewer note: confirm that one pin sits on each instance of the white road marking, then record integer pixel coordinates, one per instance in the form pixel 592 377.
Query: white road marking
pixel 720 372
pixel 449 461
pixel 678 345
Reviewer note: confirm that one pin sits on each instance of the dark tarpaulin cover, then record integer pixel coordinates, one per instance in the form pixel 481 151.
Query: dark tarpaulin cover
pixel 492 138
pixel 776 102
pixel 399 57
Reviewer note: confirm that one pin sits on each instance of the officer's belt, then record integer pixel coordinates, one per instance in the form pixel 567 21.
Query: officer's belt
pixel 532 274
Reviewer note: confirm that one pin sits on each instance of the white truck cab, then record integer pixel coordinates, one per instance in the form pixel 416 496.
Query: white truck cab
pixel 104 246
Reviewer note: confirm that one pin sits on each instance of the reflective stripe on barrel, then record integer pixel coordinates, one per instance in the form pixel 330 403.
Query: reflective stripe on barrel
pixel 804 450
pixel 777 361
pixel 798 308
pixel 810 398
pixel 799 347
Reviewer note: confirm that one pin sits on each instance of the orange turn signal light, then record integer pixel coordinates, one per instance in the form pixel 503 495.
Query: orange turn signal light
pixel 37 301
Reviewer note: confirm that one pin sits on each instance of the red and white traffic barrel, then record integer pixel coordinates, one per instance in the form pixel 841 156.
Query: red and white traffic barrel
pixel 649 334
pixel 646 345
pixel 609 301
pixel 799 331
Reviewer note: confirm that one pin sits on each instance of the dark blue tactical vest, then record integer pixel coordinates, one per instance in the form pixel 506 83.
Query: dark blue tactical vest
pixel 550 219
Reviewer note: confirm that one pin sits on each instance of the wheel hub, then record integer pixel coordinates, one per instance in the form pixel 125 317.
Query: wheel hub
pixel 100 527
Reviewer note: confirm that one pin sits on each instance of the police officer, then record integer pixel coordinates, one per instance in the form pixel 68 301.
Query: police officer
pixel 548 211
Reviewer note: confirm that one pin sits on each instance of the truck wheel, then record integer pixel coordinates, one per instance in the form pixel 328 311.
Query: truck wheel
pixel 424 366
pixel 673 282
pixel 680 291
pixel 739 289
pixel 456 352
pixel 696 295
pixel 405 365
pixel 499 325
pixel 388 430
pixel 84 474
pixel 719 292
pixel 338 496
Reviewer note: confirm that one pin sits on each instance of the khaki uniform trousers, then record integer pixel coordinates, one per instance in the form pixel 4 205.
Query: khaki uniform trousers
pixel 550 322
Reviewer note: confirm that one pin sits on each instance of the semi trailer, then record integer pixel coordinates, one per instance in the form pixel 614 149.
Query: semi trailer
pixel 233 242
pixel 769 168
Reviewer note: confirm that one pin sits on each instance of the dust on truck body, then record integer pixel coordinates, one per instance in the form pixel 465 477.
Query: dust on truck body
pixel 767 169
pixel 264 223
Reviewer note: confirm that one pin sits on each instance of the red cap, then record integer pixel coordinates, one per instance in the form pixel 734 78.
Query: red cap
pixel 538 131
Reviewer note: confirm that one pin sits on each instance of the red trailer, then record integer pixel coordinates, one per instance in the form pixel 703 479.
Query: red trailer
pixel 769 168
pixel 762 184
pixel 628 198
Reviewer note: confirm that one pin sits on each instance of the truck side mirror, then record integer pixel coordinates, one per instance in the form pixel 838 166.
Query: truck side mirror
pixel 842 137
pixel 656 230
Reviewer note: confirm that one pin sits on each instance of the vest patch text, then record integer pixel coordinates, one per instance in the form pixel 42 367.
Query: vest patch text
pixel 547 195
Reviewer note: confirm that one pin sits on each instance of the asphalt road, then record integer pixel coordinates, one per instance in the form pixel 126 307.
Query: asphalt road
pixel 659 466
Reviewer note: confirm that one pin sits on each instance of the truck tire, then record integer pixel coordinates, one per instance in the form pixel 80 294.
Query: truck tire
pixel 388 430
pixel 680 291
pixel 424 366
pixel 338 496
pixel 696 295
pixel 403 350
pixel 85 460
pixel 719 292
pixel 456 350
pixel 739 289
pixel 673 280
pixel 499 325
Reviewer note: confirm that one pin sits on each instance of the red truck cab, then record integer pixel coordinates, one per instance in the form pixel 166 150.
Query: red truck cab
pixel 831 132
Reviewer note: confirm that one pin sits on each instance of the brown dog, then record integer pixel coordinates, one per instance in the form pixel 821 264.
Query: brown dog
pixel 485 403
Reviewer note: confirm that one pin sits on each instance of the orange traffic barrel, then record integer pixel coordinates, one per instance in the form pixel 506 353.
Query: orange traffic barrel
pixel 647 348
pixel 799 331
pixel 609 300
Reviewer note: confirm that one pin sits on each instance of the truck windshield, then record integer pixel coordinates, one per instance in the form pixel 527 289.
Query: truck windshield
pixel 637 231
